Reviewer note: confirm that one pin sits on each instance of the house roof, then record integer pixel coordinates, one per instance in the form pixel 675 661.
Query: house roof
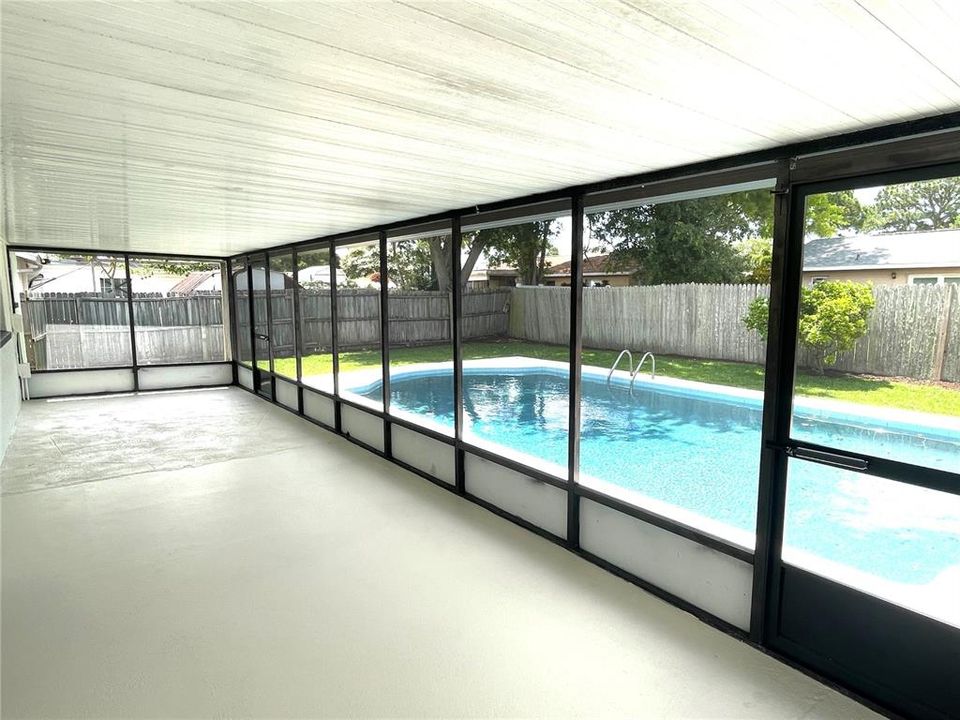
pixel 937 248
pixel 192 281
pixel 594 265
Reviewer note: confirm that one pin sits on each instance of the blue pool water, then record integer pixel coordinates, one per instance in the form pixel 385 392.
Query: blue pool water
pixel 700 451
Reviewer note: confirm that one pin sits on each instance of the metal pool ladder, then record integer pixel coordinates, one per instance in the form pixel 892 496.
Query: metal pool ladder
pixel 653 369
pixel 617 362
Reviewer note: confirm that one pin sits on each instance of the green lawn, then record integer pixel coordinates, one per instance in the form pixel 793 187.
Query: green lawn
pixel 851 388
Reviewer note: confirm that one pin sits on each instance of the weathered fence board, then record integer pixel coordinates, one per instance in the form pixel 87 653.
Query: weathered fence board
pixel 901 333
pixel 149 309
pixel 951 350
pixel 706 321
pixel 541 313
pixel 914 331
pixel 91 330
pixel 75 346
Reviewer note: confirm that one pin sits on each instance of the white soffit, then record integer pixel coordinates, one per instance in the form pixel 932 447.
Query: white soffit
pixel 219 127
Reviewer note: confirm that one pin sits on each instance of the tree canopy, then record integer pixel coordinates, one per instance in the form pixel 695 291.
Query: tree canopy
pixel 524 247
pixel 916 206
pixel 689 240
pixel 426 263
pixel 716 239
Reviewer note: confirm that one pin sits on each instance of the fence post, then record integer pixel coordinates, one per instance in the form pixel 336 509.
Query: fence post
pixel 940 348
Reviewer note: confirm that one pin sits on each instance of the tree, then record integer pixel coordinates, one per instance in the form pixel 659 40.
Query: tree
pixel 441 250
pixel 361 262
pixel 524 247
pixel 758 254
pixel 924 205
pixel 410 265
pixel 146 267
pixel 684 241
pixel 313 258
pixel 704 239
pixel 833 316
pixel 827 214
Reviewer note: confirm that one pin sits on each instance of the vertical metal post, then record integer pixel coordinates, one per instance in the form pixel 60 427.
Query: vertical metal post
pixel 297 340
pixel 576 348
pixel 777 406
pixel 253 333
pixel 385 343
pixel 456 336
pixel 132 324
pixel 268 294
pixel 231 286
pixel 334 340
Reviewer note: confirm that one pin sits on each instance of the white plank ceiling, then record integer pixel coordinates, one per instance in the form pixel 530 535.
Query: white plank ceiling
pixel 218 127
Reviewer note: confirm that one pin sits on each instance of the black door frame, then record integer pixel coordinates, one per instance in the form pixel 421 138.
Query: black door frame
pixel 778 587
pixel 263 379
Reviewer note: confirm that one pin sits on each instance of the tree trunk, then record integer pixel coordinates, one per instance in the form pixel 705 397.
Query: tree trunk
pixel 441 251
pixel 476 248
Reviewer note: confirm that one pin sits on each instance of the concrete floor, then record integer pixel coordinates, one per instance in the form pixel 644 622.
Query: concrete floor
pixel 205 554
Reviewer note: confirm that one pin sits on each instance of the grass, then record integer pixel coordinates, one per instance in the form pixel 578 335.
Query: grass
pixel 868 390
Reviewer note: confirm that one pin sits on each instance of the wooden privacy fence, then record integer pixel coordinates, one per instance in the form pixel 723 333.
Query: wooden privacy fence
pixel 914 330
pixel 69 330
pixel 416 318
pixel 73 346
pixel 149 309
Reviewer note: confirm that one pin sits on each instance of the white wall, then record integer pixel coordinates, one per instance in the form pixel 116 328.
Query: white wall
pixel 9 394
pixel 287 394
pixel 434 457
pixel 81 382
pixel 535 501
pixel 319 408
pixel 159 378
pixel 9 381
pixel 362 426
pixel 707 578
pixel 245 377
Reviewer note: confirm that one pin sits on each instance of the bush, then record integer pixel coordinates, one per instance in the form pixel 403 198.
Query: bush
pixel 833 316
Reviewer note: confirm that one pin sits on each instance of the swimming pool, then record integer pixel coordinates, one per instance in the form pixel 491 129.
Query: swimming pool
pixel 692 451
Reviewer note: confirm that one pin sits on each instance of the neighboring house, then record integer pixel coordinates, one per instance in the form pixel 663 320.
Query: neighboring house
pixel 485 277
pixel 598 270
pixel 928 258
pixel 497 277
pixel 278 280
pixel 43 274
pixel 319 276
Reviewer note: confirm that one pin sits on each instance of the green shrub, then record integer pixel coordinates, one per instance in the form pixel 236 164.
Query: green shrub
pixel 833 316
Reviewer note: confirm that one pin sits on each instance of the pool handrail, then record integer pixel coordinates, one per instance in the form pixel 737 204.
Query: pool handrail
pixel 653 368
pixel 617 362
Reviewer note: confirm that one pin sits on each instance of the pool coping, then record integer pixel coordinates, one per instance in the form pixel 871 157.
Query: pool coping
pixel 356 382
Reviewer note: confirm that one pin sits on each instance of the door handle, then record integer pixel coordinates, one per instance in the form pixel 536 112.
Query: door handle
pixel 259 336
pixel 824 457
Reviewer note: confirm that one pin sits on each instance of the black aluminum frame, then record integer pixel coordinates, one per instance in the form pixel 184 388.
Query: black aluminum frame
pixel 920 159
pixel 134 367
pixel 927 141
pixel 779 446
